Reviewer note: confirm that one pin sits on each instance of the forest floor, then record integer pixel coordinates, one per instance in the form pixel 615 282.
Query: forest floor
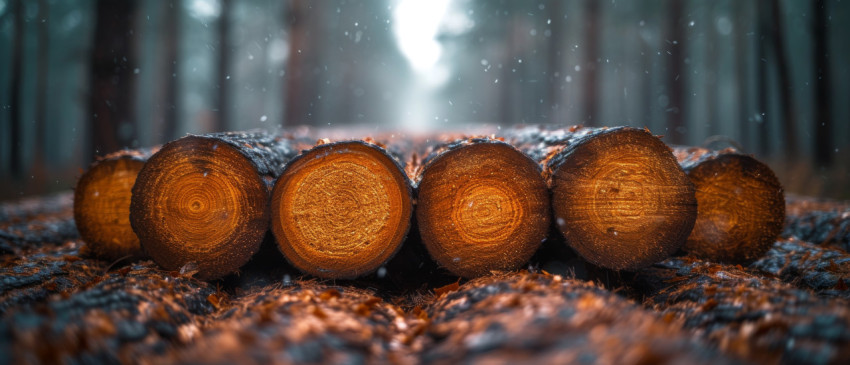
pixel 59 305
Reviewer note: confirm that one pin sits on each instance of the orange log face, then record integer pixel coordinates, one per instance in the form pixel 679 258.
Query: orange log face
pixel 341 210
pixel 102 208
pixel 621 200
pixel 741 209
pixel 482 206
pixel 200 200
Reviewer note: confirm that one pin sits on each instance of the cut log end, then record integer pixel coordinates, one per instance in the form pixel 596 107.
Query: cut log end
pixel 199 200
pixel 483 206
pixel 741 208
pixel 102 208
pixel 341 210
pixel 621 199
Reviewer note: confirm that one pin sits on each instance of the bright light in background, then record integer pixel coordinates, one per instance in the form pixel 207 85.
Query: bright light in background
pixel 416 25
pixel 204 9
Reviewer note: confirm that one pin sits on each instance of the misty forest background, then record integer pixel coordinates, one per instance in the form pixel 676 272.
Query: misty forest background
pixel 80 78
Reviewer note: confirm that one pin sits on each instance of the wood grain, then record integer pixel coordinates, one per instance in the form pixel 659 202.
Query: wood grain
pixel 341 210
pixel 618 195
pixel 482 206
pixel 203 200
pixel 741 205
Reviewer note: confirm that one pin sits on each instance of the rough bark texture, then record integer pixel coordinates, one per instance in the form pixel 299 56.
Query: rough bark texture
pixel 203 200
pixel 482 206
pixel 102 205
pixel 341 210
pixel 618 195
pixel 747 313
pixel 820 222
pixel 740 205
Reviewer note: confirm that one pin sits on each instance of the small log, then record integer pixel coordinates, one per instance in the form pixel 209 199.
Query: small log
pixel 203 200
pixel 740 205
pixel 482 205
pixel 341 210
pixel 618 195
pixel 102 205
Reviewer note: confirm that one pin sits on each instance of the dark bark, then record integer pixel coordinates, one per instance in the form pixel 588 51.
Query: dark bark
pixel 824 270
pixel 823 96
pixel 748 314
pixel 112 126
pixel 215 190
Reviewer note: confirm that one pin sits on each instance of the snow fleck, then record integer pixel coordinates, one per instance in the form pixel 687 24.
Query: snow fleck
pixel 382 272
pixel 568 79
pixel 136 70
pixel 264 118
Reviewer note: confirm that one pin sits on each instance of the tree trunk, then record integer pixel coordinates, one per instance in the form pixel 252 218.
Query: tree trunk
pixel 676 35
pixel 341 210
pixel 482 206
pixel 168 99
pixel 112 126
pixel 823 96
pixel 740 205
pixel 222 122
pixel 787 105
pixel 15 146
pixel 591 54
pixel 618 195
pixel 102 205
pixel 203 200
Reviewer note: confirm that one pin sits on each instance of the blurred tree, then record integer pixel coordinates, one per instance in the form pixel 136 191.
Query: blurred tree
pixel 676 39
pixel 592 19
pixel 786 102
pixel 15 145
pixel 113 62
pixel 822 95
pixel 222 121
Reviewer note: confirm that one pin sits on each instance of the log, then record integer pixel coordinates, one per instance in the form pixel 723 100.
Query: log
pixel 482 206
pixel 740 205
pixel 341 210
pixel 618 195
pixel 102 205
pixel 202 200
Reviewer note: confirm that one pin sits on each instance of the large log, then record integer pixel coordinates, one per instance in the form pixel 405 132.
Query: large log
pixel 203 200
pixel 341 210
pixel 102 205
pixel 482 206
pixel 618 195
pixel 740 205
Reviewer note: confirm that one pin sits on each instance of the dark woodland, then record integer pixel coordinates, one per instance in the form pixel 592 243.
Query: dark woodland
pixel 83 78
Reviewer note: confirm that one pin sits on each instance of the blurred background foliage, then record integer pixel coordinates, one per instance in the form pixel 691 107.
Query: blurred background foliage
pixel 80 78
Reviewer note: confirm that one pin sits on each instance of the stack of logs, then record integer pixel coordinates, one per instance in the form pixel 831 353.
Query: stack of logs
pixel 596 214
pixel 621 198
